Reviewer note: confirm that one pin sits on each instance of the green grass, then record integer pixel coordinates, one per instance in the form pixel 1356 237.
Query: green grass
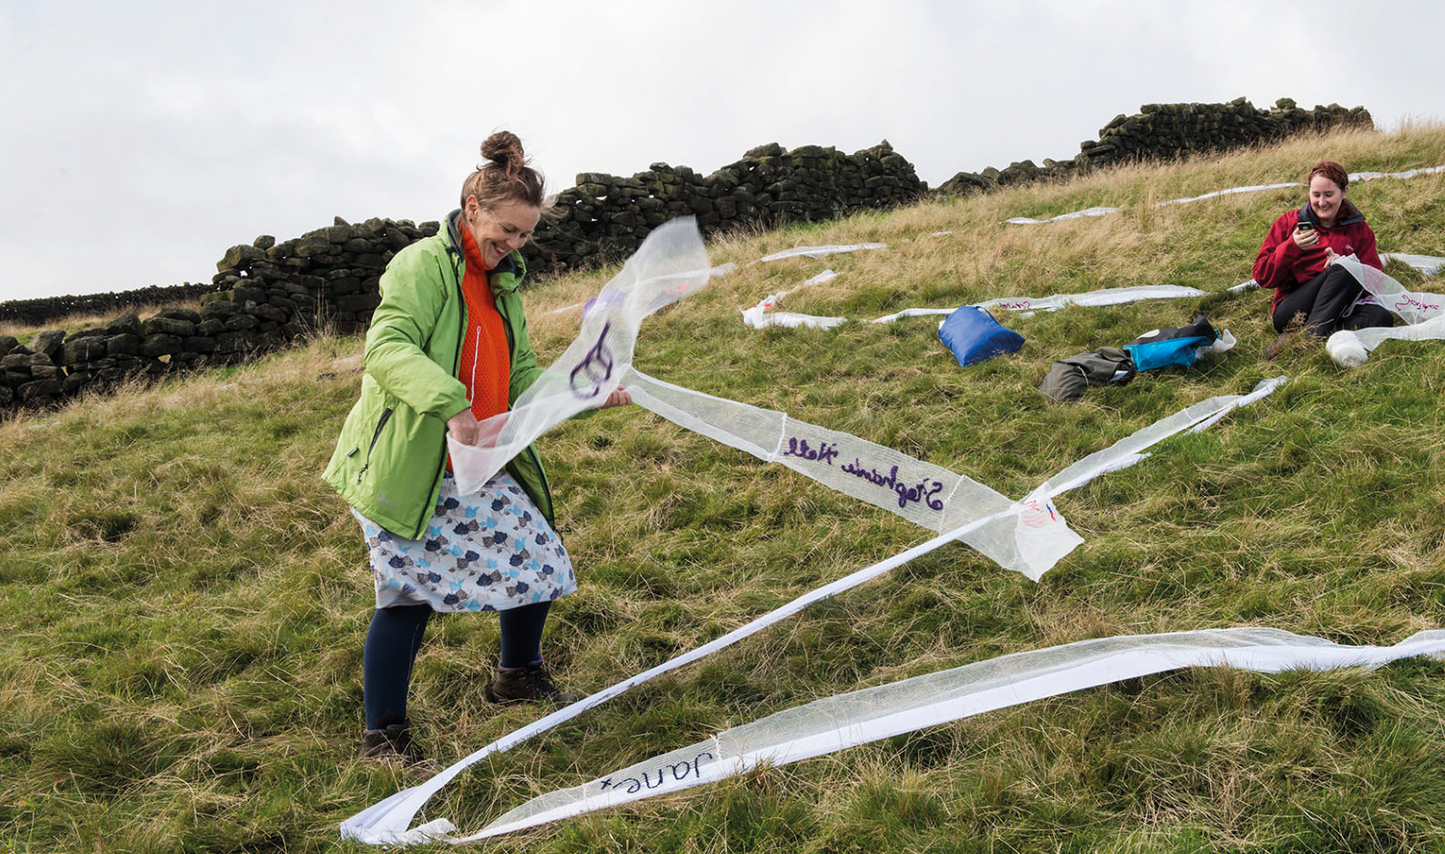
pixel 185 602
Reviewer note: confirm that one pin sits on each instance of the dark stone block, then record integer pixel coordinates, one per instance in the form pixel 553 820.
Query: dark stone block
pixel 219 309
pixel 160 345
pixel 358 302
pixel 233 342
pixel 160 325
pixel 48 342
pixel 15 361
pixel 7 344
pixel 42 372
pixel 75 382
pixel 189 315
pixel 270 313
pixel 238 322
pixel 6 395
pixel 244 294
pixel 284 303
pixel 40 388
pixel 84 350
pixel 200 344
pixel 211 326
pixel 264 242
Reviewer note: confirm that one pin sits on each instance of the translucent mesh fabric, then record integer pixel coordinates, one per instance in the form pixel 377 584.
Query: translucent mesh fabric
pixel 1430 265
pixel 670 264
pixel 847 720
pixel 1411 306
pixel 921 492
pixel 820 251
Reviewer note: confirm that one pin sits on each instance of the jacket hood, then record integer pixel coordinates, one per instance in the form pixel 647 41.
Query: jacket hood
pixel 504 278
pixel 1349 215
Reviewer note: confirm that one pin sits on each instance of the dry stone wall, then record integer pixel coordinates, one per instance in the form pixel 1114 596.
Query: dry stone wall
pixel 604 218
pixel 1167 131
pixel 268 293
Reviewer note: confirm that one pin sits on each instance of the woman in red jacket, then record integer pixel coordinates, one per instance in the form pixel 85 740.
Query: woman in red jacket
pixel 1298 258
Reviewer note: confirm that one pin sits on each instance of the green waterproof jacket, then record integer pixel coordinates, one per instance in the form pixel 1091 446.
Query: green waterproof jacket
pixel 389 461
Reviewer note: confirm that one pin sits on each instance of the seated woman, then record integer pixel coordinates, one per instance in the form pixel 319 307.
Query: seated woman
pixel 1298 258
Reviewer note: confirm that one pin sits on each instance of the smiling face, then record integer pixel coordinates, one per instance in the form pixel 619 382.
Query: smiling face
pixel 1325 199
pixel 501 230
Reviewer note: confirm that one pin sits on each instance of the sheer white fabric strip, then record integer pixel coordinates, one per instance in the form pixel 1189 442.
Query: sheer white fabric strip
pixel 1412 306
pixel 848 720
pixel 1086 212
pixel 819 251
pixel 1100 211
pixel 386 822
pixel 1230 192
pixel 1430 265
pixel 670 265
pixel 759 317
pixel 923 493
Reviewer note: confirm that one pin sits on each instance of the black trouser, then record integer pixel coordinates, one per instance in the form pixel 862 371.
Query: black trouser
pixel 395 637
pixel 1322 302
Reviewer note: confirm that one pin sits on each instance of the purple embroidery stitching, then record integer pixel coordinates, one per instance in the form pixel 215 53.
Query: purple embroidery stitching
pixel 824 453
pixel 598 360
pixel 922 491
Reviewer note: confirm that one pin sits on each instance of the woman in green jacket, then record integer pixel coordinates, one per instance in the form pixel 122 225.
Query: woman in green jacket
pixel 447 349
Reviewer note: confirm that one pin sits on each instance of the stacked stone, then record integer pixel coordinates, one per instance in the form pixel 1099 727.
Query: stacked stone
pixel 1164 131
pixel 288 289
pixel 604 218
pixel 1167 131
pixel 36 312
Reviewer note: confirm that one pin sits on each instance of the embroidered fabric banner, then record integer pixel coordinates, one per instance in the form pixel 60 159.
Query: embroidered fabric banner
pixel 848 720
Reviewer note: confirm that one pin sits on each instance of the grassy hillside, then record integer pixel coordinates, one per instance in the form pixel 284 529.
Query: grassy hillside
pixel 185 602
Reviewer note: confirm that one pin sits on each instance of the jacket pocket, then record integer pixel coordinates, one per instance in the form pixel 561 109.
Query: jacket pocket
pixel 375 437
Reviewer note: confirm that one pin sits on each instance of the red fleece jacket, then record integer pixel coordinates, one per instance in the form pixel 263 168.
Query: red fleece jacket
pixel 1281 265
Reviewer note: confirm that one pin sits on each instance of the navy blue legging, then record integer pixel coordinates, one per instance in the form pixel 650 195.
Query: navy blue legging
pixel 395 637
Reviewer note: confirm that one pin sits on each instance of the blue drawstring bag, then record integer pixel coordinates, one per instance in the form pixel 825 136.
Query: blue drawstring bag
pixel 973 335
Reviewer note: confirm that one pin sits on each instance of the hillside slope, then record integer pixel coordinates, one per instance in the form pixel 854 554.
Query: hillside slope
pixel 185 601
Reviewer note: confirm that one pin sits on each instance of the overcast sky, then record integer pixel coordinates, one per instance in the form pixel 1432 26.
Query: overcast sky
pixel 139 140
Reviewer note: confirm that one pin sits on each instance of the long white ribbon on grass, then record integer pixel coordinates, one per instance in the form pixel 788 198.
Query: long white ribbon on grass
pixel 760 316
pixel 669 265
pixel 860 717
pixel 819 251
pixel 1430 265
pixel 1101 211
pixel 386 822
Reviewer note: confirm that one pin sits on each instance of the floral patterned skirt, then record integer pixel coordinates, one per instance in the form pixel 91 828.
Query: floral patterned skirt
pixel 485 552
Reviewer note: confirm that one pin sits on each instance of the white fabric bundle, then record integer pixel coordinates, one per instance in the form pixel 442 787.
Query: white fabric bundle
pixel 670 264
pixel 1422 312
pixel 1053 302
pixel 1411 306
pixel 847 720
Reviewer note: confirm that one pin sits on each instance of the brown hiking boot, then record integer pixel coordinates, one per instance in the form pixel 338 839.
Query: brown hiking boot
pixel 530 684
pixel 393 743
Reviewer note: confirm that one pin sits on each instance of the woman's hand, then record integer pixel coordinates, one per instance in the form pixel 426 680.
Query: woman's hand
pixel 1306 239
pixel 465 427
pixel 618 397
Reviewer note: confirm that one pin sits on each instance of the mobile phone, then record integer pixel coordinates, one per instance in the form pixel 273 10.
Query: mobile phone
pixel 1304 225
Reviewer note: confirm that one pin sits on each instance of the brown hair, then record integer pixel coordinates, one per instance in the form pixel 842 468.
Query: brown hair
pixel 1331 170
pixel 506 177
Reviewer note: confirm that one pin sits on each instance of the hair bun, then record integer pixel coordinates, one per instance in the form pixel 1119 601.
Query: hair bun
pixel 504 149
